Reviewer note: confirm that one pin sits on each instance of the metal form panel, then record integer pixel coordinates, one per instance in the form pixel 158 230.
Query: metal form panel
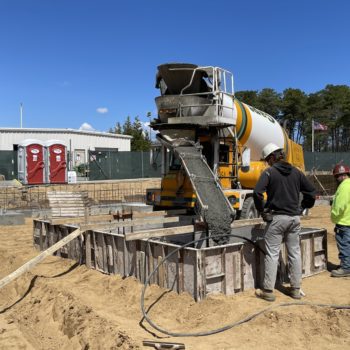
pixel 226 269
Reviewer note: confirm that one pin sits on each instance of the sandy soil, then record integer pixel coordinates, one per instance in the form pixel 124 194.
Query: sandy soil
pixel 59 305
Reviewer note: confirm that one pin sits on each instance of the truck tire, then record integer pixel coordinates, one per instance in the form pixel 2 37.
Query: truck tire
pixel 248 209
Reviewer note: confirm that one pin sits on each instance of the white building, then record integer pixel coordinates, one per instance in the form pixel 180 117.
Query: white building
pixel 78 142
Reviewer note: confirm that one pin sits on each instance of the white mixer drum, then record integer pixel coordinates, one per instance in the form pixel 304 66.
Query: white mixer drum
pixel 255 129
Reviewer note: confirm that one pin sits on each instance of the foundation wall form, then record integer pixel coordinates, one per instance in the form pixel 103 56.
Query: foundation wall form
pixel 226 269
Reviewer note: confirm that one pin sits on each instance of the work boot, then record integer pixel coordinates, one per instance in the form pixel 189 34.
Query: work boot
pixel 266 295
pixel 340 273
pixel 295 293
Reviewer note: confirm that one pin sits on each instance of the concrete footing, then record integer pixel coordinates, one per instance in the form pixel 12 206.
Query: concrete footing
pixel 12 218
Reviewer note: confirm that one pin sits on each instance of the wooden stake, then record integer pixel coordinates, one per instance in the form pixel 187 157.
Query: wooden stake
pixel 128 223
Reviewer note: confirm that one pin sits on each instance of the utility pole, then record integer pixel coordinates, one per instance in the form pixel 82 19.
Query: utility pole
pixel 313 143
pixel 21 114
pixel 149 115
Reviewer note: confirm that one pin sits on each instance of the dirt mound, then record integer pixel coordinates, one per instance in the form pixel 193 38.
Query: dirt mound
pixel 60 305
pixel 73 323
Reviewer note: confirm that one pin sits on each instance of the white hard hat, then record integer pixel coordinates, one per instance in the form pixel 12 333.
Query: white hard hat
pixel 268 149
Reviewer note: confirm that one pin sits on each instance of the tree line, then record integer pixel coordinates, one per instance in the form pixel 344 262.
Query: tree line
pixel 140 137
pixel 293 108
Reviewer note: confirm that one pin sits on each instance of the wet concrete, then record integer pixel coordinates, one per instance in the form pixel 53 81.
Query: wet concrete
pixel 214 209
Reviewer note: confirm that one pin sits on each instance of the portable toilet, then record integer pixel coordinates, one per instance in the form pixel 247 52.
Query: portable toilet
pixel 31 166
pixel 56 162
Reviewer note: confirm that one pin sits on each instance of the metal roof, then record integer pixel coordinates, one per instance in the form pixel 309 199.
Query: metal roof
pixel 65 131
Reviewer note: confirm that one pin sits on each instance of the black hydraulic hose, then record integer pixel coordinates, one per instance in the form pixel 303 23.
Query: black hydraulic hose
pixel 231 325
pixel 147 281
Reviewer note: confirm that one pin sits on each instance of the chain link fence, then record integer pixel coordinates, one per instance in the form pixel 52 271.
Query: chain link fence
pixel 324 161
pixel 108 165
pixel 105 165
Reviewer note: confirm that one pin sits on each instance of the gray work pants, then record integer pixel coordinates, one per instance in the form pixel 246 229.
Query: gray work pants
pixel 282 228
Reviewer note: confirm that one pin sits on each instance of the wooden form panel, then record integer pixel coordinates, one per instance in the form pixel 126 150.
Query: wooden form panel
pixel 226 269
pixel 45 235
pixel 314 252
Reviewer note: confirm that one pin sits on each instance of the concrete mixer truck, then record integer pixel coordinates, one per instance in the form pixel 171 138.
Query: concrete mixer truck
pixel 197 108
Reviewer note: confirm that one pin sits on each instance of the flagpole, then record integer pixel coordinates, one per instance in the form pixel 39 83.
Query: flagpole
pixel 21 113
pixel 312 136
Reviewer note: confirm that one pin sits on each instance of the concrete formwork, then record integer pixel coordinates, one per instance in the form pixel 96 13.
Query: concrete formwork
pixel 199 269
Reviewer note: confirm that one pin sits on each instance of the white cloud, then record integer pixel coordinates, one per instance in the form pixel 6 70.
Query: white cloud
pixel 102 110
pixel 86 127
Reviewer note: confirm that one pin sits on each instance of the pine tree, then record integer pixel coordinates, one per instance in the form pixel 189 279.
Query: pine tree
pixel 140 137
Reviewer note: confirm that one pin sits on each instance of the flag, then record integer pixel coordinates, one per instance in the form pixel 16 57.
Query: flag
pixel 319 127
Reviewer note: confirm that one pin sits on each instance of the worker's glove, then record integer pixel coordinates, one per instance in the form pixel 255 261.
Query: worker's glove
pixel 266 216
pixel 331 201
pixel 304 211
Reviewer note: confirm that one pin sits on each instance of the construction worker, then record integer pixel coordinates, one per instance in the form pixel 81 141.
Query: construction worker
pixel 282 183
pixel 340 216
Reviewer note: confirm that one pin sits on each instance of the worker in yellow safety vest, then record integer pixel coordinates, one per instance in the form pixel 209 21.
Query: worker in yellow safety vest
pixel 340 216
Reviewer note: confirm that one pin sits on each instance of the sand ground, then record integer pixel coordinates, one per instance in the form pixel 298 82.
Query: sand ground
pixel 60 305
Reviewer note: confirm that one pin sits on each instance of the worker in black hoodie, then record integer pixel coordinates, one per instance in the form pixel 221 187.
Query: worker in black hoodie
pixel 283 184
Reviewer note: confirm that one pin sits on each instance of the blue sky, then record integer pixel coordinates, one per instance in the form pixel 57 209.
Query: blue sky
pixel 94 61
